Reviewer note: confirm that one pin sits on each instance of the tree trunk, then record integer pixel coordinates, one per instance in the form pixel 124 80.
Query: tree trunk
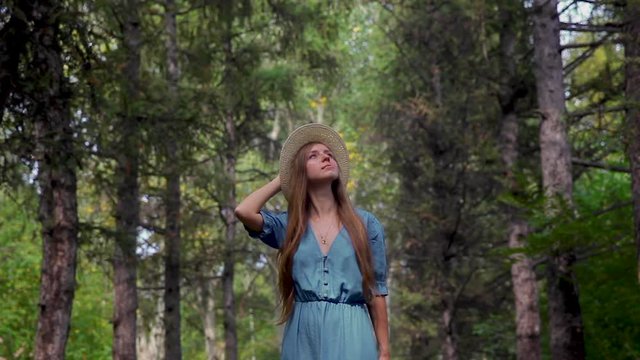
pixel 449 347
pixel 567 338
pixel 128 205
pixel 632 77
pixel 231 338
pixel 523 277
pixel 525 291
pixel 173 349
pixel 150 343
pixel 207 304
pixel 567 341
pixel 58 211
pixel 272 261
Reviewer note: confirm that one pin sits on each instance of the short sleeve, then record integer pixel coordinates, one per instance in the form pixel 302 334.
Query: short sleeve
pixel 375 232
pixel 274 228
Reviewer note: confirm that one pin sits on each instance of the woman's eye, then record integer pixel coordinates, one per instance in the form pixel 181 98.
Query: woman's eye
pixel 312 156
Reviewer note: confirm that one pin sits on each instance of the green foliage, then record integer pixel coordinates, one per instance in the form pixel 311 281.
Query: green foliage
pixel 19 272
pixel 20 244
pixel 608 286
pixel 608 292
pixel 258 335
pixel 276 82
pixel 91 334
pixel 496 333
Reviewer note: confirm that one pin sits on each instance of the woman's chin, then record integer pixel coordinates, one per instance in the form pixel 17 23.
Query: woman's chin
pixel 323 181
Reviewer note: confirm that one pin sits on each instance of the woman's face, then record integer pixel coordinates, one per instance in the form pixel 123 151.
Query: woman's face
pixel 321 166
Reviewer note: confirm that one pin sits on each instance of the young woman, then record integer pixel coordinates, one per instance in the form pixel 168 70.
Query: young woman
pixel 331 257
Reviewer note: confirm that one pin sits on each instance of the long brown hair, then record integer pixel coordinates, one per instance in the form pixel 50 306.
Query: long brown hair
pixel 298 217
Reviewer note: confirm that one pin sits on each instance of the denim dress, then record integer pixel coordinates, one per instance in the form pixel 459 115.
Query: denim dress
pixel 330 320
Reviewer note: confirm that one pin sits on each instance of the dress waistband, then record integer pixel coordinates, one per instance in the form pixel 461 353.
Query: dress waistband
pixel 358 303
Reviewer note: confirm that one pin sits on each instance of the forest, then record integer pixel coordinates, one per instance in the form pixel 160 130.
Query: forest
pixel 497 141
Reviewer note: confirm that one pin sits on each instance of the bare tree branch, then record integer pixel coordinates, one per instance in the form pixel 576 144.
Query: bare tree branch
pixel 584 56
pixel 599 165
pixel 574 2
pixel 590 44
pixel 608 27
pixel 597 110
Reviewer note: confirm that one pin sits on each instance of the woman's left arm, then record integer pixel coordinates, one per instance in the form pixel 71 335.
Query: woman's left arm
pixel 378 311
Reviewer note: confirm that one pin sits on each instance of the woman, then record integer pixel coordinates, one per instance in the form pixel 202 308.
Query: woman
pixel 331 258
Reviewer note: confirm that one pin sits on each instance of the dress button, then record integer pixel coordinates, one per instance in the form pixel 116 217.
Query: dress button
pixel 326 270
pixel 326 283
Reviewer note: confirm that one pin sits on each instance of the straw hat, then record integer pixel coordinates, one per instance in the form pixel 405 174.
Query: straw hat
pixel 308 134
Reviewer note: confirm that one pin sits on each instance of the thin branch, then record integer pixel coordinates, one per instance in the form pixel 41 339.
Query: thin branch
pixel 613 207
pixel 588 44
pixel 254 171
pixel 540 261
pixel 251 179
pixel 567 7
pixel 600 2
pixel 550 222
pixel 599 165
pixel 584 56
pixel 597 110
pixel 579 60
pixel 606 249
pixel 153 228
pixel 609 27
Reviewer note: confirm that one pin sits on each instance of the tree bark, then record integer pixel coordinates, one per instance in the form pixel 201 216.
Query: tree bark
pixel 567 338
pixel 206 293
pixel 173 348
pixel 128 205
pixel 231 338
pixel 525 291
pixel 150 343
pixel 272 261
pixel 523 278
pixel 632 89
pixel 449 347
pixel 56 159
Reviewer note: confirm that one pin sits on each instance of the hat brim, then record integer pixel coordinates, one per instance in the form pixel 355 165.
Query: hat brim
pixel 312 133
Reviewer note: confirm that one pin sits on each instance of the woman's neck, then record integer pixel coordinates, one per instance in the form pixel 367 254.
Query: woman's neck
pixel 322 202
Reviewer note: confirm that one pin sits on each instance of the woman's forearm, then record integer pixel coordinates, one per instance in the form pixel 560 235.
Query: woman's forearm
pixel 378 311
pixel 248 211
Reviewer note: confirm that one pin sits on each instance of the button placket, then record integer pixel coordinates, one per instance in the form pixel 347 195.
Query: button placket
pixel 325 277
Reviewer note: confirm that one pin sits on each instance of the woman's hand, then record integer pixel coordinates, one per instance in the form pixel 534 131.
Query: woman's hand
pixel 384 355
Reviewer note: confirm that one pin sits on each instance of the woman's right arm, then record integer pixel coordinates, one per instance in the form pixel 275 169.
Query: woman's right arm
pixel 248 211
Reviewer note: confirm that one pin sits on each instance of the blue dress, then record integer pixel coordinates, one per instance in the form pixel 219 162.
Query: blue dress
pixel 330 320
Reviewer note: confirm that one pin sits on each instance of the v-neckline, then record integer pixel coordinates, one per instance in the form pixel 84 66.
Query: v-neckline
pixel 315 239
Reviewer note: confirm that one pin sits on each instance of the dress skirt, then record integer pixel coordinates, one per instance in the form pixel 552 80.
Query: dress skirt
pixel 328 331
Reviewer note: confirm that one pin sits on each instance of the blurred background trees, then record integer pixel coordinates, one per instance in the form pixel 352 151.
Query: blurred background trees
pixel 496 140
